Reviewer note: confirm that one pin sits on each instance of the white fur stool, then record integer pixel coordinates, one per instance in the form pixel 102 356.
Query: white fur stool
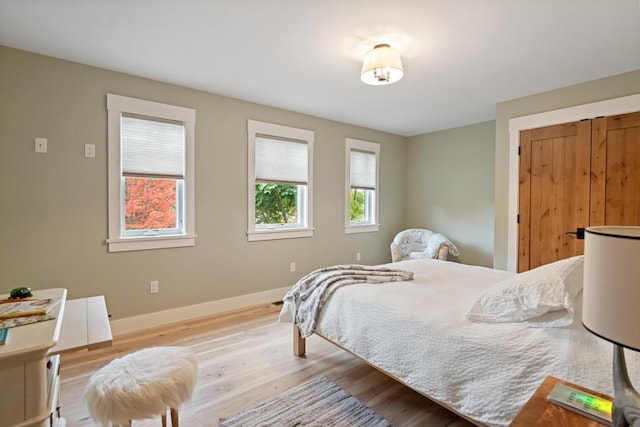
pixel 141 385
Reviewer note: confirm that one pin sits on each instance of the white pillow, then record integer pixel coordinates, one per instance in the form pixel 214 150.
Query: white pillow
pixel 526 297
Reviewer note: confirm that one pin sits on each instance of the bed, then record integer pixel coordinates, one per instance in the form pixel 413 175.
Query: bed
pixel 416 331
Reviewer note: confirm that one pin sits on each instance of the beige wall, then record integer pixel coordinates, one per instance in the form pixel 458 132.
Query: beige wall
pixel 597 90
pixel 450 188
pixel 54 206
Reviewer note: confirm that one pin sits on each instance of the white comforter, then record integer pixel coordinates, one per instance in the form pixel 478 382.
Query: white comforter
pixel 417 332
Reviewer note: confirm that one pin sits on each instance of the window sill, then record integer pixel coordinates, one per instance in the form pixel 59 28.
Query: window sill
pixel 365 228
pixel 255 236
pixel 150 242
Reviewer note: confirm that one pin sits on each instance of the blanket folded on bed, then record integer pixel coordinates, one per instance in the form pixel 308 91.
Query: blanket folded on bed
pixel 303 303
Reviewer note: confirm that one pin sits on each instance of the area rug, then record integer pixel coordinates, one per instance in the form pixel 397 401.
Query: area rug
pixel 318 402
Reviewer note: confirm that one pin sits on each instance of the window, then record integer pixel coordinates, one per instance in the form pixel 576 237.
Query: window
pixel 280 184
pixel 361 207
pixel 151 194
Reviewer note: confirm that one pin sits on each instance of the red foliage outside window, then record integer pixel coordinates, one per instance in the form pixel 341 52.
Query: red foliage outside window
pixel 149 203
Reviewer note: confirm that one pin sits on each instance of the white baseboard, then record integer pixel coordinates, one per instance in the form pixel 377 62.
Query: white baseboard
pixel 158 318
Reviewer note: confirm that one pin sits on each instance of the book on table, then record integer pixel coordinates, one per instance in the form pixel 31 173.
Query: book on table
pixel 26 320
pixel 27 307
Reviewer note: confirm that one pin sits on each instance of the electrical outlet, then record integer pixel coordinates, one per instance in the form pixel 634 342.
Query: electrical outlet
pixel 293 267
pixel 154 287
pixel 90 150
pixel 41 145
pixel 357 256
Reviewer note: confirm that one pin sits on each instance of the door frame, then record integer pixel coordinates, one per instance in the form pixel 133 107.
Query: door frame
pixel 609 107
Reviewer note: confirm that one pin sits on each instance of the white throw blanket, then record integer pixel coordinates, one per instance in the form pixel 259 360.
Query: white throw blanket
pixel 302 304
pixel 434 243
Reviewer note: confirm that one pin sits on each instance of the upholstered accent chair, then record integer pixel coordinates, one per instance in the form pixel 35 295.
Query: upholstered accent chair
pixel 416 243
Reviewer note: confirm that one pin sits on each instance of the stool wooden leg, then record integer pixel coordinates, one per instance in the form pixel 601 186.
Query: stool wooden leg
pixel 164 419
pixel 174 417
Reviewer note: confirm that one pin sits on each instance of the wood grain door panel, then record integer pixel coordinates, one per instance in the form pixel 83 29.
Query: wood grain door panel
pixel 615 170
pixel 576 175
pixel 554 192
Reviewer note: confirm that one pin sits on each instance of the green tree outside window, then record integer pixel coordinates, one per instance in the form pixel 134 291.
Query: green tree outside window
pixel 276 203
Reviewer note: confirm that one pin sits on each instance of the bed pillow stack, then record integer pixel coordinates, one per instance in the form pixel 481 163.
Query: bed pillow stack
pixel 542 297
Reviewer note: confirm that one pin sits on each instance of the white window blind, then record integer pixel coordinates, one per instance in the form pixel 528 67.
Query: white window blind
pixel 152 148
pixel 363 170
pixel 281 161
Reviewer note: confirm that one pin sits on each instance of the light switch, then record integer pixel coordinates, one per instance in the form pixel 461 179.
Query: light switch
pixel 89 150
pixel 41 145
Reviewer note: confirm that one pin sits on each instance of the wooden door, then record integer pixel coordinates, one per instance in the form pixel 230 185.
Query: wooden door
pixel 554 192
pixel 615 170
pixel 575 175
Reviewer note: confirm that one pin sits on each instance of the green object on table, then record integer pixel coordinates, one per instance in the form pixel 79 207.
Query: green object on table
pixel 21 292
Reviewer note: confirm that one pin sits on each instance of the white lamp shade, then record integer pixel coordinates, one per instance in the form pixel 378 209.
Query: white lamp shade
pixel 381 65
pixel 611 294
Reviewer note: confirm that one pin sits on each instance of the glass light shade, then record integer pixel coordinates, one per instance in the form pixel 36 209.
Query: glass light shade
pixel 611 293
pixel 381 65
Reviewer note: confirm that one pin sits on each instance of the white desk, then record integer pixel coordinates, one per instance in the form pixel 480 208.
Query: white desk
pixel 29 361
pixel 85 325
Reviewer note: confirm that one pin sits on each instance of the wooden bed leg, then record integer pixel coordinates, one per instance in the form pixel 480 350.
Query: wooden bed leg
pixel 299 343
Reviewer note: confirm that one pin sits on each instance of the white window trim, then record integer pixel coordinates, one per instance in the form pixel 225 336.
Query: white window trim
pixel 116 105
pixel 261 128
pixel 356 144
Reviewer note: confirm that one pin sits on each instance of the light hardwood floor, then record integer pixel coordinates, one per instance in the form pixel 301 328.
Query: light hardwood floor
pixel 246 357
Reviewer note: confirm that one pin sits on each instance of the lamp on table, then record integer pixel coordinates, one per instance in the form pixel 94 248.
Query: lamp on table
pixel 611 306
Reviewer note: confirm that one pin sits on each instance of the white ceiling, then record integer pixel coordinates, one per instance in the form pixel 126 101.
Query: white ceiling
pixel 461 57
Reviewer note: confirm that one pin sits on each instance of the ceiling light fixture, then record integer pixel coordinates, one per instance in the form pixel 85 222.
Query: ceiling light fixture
pixel 381 66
